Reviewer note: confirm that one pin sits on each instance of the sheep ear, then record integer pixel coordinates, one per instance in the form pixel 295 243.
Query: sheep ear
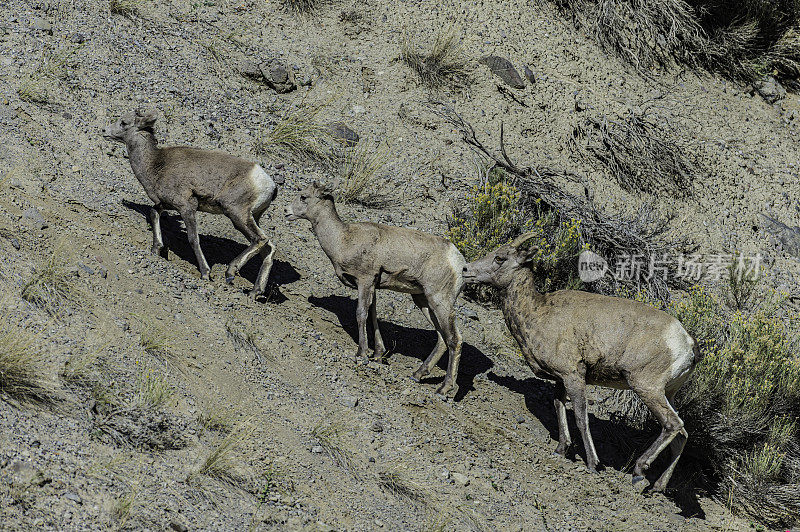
pixel 146 119
pixel 525 250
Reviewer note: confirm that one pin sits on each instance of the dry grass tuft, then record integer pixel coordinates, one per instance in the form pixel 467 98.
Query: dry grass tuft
pixel 329 437
pixel 153 389
pixel 22 365
pixel 302 6
pixel 357 171
pixel 395 480
pixel 50 287
pixel 216 416
pixel 301 132
pixel 444 65
pixel 641 154
pixel 221 462
pixel 124 7
pixel 243 339
pixel 155 337
pixel 741 39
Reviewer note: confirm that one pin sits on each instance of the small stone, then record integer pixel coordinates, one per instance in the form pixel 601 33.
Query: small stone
pixel 529 74
pixel 376 426
pixel 317 449
pixel 15 243
pixel 359 109
pixel 177 526
pixel 460 480
pixel 350 401
pixel 78 38
pixel 504 69
pixel 770 89
pixel 520 419
pixel 73 497
pixel 40 24
pixel 341 131
pixel 250 69
pixel 34 218
pixel 469 313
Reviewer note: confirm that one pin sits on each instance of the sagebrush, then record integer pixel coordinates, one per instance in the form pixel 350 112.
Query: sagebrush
pixel 742 404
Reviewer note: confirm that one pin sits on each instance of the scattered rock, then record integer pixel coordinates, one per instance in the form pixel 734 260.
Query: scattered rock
pixel 279 77
pixel 503 69
pixel 339 130
pixel 274 73
pixel 529 74
pixel 770 89
pixel 250 69
pixel 377 426
pixel 34 218
pixel 469 313
pixel 350 401
pixel 317 449
pixel 788 237
pixel 72 496
pixel 460 480
pixel 177 526
pixel 78 38
pixel 40 24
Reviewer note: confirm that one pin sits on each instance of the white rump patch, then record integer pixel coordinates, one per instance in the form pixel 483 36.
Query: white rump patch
pixel 264 186
pixel 681 348
pixel 456 259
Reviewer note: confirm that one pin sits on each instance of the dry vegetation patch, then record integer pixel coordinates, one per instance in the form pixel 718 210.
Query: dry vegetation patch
pixel 444 64
pixel 641 153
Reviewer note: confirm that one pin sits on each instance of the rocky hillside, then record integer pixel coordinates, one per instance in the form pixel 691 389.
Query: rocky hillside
pixel 168 402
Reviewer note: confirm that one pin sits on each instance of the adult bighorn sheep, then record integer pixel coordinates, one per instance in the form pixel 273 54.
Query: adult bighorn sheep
pixel 368 256
pixel 577 338
pixel 189 179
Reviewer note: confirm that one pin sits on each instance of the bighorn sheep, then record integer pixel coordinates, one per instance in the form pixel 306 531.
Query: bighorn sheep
pixel 577 338
pixel 369 256
pixel 189 179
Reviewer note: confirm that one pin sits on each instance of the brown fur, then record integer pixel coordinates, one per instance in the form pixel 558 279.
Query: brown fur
pixel 369 256
pixel 189 180
pixel 577 338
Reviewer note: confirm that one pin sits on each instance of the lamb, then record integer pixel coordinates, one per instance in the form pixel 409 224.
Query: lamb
pixel 369 256
pixel 189 179
pixel 577 338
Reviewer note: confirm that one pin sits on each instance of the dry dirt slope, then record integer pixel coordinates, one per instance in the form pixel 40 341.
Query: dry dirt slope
pixel 321 442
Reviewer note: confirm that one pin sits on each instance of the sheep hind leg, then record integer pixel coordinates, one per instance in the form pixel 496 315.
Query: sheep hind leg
pixel 425 368
pixel 672 427
pixel 257 238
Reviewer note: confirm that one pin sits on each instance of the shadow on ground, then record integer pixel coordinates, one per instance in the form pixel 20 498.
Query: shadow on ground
pixel 218 250
pixel 408 341
pixel 618 444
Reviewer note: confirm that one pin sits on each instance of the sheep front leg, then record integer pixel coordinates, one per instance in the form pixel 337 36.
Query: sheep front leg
pixel 189 219
pixel 366 291
pixel 155 223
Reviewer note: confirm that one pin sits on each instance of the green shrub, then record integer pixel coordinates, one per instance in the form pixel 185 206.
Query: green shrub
pixel 493 216
pixel 742 403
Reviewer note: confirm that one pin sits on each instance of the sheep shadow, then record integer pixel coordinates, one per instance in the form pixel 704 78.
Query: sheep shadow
pixel 408 341
pixel 618 444
pixel 217 250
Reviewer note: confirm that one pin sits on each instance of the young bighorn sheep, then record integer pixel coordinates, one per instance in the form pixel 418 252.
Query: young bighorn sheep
pixel 369 256
pixel 189 179
pixel 577 338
